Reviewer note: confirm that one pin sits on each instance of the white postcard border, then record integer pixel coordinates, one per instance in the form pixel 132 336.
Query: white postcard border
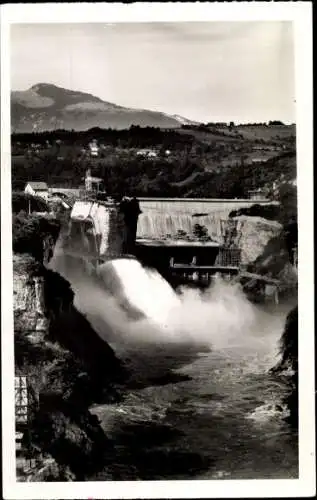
pixel 301 15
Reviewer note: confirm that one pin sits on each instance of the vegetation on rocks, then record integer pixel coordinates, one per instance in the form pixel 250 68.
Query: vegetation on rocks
pixel 278 256
pixel 288 363
pixel 31 232
pixel 26 202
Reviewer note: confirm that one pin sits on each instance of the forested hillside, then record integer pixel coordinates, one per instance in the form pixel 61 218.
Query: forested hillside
pixel 195 161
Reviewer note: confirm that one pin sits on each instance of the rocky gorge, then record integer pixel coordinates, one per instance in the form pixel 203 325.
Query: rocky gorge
pixel 70 368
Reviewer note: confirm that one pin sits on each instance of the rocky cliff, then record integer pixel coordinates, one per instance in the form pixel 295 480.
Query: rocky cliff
pixel 68 367
pixel 288 363
pixel 265 250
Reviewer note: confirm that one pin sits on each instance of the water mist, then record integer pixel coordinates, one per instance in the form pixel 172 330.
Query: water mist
pixel 127 303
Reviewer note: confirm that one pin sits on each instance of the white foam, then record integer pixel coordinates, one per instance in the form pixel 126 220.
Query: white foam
pixel 143 289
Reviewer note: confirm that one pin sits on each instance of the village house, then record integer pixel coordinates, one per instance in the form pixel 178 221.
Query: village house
pixel 259 159
pixel 94 148
pixel 37 189
pixel 258 194
pixel 148 153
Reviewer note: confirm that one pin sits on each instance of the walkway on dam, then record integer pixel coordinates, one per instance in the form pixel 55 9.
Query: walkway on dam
pixel 198 205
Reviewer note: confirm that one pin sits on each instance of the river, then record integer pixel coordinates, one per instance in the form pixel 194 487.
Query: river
pixel 200 402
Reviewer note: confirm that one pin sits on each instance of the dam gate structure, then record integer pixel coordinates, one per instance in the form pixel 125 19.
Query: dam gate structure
pixel 103 230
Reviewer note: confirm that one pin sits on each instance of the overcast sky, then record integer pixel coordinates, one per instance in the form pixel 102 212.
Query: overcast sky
pixel 241 71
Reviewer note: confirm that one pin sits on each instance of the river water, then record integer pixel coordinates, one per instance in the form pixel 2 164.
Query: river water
pixel 200 401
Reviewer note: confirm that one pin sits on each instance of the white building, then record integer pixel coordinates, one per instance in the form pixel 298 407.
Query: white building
pixel 148 153
pixel 94 148
pixel 37 189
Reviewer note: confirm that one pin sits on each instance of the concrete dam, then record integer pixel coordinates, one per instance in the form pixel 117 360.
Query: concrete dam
pixel 160 233
pixel 100 231
pixel 163 218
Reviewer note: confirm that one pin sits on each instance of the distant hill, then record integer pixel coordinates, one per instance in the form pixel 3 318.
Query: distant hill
pixel 49 107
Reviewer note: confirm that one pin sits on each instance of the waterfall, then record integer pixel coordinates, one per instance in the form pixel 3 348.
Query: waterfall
pixel 153 225
pixel 130 282
pixel 130 298
pixel 165 217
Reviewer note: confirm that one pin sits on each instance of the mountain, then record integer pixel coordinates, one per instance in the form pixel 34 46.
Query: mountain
pixel 48 107
pixel 184 121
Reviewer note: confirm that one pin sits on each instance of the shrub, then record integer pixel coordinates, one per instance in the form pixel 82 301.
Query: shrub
pixel 29 232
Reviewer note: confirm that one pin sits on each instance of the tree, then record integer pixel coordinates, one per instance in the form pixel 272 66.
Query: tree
pixel 201 232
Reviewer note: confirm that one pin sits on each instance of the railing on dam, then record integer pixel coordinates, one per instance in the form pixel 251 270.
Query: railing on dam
pixel 191 206
pixel 206 200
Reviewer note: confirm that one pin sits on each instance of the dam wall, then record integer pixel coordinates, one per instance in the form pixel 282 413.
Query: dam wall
pixel 154 225
pixel 198 205
pixel 164 217
pixel 100 231
pixel 105 230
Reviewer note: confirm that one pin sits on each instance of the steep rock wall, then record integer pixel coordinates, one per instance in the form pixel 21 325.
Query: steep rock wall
pixel 264 250
pixel 288 363
pixel 68 368
pixel 253 235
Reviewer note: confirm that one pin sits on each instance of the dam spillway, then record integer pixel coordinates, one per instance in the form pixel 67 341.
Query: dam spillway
pixel 161 234
pixel 161 217
pixel 100 232
pixel 104 230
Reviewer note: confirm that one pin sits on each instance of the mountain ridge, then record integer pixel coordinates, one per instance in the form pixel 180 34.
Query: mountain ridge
pixel 46 106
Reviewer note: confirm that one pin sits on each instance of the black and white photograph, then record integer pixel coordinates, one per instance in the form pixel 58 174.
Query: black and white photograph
pixel 158 314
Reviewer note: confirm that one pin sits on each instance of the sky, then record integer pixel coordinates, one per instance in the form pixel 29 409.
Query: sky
pixel 204 71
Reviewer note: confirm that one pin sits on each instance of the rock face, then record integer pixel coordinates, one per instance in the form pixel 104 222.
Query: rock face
pixel 289 345
pixel 253 235
pixel 29 308
pixel 68 367
pixel 264 250
pixel 288 364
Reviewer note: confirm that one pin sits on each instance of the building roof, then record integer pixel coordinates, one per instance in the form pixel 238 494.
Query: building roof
pixel 258 190
pixel 260 159
pixel 38 186
pixel 94 179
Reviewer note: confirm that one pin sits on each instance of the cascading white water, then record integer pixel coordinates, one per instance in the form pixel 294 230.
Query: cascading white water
pixel 162 217
pixel 137 304
pixel 143 289
pixel 156 225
